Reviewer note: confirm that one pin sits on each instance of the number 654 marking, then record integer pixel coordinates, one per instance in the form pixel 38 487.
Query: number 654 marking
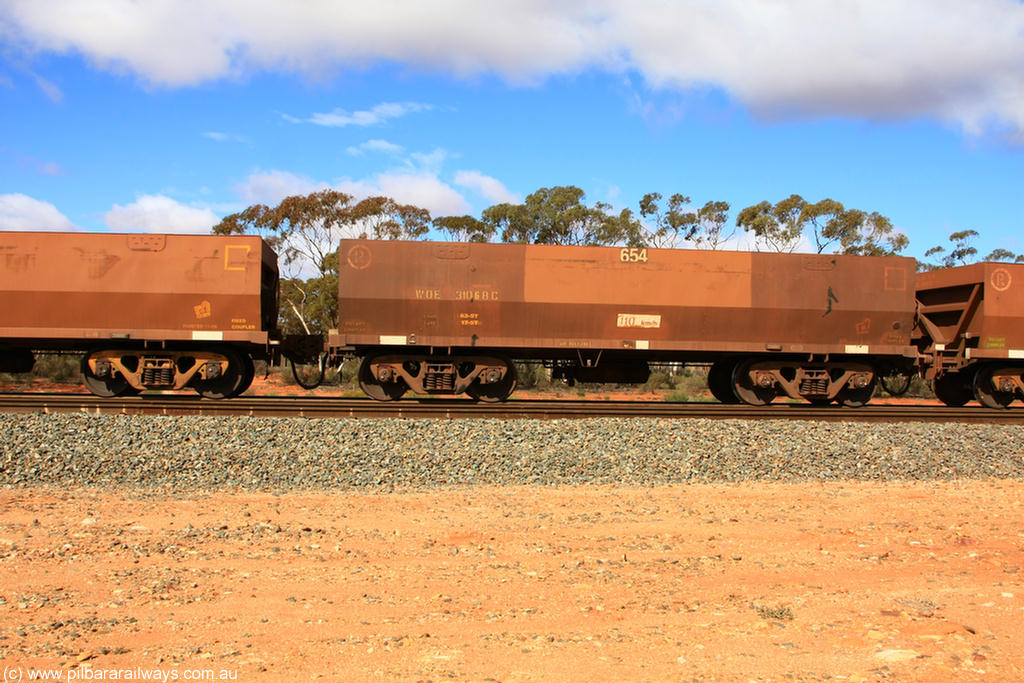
pixel 633 255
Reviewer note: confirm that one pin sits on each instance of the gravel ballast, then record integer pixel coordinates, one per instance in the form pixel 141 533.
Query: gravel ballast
pixel 279 454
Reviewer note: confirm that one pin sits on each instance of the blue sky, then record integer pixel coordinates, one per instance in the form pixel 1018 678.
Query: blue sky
pixel 165 116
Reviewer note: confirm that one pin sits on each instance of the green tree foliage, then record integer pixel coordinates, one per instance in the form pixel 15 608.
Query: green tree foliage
pixel 963 252
pixel 673 224
pixel 306 231
pixel 464 229
pixel 711 220
pixel 309 306
pixel 382 218
pixel 1005 256
pixel 704 228
pixel 828 224
pixel 776 226
pixel 558 215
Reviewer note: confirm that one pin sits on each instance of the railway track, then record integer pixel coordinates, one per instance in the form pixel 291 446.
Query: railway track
pixel 287 406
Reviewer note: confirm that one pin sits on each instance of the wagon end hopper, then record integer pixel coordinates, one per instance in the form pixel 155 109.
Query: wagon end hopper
pixel 601 314
pixel 150 311
pixel 971 322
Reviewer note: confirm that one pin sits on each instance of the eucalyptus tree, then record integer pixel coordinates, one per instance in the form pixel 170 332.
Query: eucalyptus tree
pixel 558 215
pixel 306 231
pixel 827 225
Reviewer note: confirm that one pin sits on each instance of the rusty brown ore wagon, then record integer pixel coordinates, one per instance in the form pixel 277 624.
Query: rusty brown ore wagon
pixel 149 311
pixel 971 320
pixel 449 318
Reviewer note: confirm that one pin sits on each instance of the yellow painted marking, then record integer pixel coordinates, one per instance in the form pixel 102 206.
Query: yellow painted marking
pixel 632 255
pixel 236 256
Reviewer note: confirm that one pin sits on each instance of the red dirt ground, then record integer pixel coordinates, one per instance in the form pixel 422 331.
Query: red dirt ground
pixel 755 582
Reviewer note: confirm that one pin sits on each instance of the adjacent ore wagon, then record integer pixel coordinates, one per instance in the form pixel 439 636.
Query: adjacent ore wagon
pixel 148 311
pixel 449 317
pixel 971 320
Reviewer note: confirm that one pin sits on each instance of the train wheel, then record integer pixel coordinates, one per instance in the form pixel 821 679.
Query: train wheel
pixel 374 388
pixel 856 398
pixel 232 381
pixel 745 389
pixel 497 392
pixel 16 360
pixel 987 395
pixel 720 382
pixel 248 374
pixel 953 390
pixel 106 387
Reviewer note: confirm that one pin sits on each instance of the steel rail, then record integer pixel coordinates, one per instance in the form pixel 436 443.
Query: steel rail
pixel 289 406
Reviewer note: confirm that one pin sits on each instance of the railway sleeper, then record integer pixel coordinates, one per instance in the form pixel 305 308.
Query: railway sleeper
pixel 168 370
pixel 850 383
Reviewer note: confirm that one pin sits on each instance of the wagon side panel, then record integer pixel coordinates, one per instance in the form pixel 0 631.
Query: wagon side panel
pixel 144 286
pixel 529 297
pixel 974 311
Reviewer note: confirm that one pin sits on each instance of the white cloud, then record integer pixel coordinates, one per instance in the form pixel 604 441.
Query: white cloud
pixel 876 59
pixel 490 188
pixel 961 62
pixel 419 188
pixel 157 213
pixel 192 41
pixel 382 146
pixel 377 115
pixel 429 162
pixel 270 187
pixel 218 136
pixel 52 92
pixel 21 212
pixel 425 190
pixel 50 168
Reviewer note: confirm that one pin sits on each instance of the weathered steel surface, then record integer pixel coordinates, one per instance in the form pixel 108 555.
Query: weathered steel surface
pixel 454 409
pixel 89 286
pixel 689 304
pixel 980 306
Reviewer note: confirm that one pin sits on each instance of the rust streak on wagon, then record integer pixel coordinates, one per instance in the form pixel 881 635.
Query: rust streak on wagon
pixel 427 314
pixel 149 311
